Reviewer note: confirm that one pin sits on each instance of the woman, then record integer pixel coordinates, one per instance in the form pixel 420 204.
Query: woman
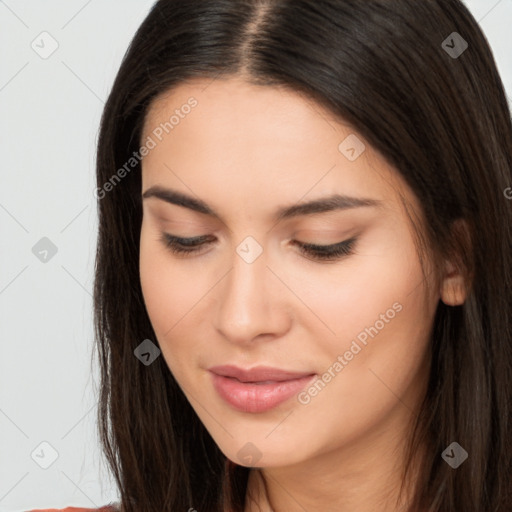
pixel 304 271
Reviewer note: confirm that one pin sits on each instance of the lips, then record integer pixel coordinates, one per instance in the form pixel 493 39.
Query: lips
pixel 258 374
pixel 258 389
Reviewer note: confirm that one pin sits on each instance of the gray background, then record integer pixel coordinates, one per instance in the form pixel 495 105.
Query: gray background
pixel 49 114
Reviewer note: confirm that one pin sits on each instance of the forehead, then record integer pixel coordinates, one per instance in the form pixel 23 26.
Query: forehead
pixel 269 140
pixel 233 95
pixel 222 106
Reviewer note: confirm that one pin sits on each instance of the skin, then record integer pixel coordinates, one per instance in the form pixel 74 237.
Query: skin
pixel 245 151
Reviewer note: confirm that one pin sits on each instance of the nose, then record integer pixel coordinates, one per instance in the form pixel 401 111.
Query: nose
pixel 252 303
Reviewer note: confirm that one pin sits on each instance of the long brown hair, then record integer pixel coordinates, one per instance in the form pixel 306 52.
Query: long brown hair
pixel 437 111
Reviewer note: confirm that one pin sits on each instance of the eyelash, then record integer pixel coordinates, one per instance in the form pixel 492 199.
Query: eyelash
pixel 186 246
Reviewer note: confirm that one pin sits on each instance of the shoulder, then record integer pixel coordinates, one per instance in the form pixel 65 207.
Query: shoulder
pixel 108 508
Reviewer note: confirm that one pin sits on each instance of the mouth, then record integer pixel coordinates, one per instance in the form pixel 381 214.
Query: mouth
pixel 259 389
pixel 258 373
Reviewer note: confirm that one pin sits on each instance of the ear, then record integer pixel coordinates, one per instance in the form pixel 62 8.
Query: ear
pixel 453 286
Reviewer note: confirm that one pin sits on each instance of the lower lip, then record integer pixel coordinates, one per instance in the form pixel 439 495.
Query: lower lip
pixel 250 397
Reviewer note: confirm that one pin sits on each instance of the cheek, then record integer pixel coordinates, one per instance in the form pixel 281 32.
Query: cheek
pixel 168 292
pixel 173 290
pixel 381 325
pixel 350 296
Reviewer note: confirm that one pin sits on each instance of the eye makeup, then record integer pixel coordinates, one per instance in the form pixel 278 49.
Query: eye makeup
pixel 192 246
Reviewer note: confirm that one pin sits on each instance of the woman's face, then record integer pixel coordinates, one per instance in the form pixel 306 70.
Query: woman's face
pixel 250 297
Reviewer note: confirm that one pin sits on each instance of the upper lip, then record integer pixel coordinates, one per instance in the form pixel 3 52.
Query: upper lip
pixel 257 374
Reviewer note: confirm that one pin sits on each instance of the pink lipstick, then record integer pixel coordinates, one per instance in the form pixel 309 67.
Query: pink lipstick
pixel 258 389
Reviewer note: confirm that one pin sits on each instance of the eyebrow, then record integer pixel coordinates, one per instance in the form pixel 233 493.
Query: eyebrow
pixel 324 204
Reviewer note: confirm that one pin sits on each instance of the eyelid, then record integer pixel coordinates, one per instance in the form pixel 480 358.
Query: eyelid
pixel 196 240
pixel 191 246
pixel 190 241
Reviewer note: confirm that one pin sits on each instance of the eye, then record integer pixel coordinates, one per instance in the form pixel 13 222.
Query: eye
pixel 179 245
pixel 327 252
pixel 192 245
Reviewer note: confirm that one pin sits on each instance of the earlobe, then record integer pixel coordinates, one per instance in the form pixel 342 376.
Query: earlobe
pixel 453 287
